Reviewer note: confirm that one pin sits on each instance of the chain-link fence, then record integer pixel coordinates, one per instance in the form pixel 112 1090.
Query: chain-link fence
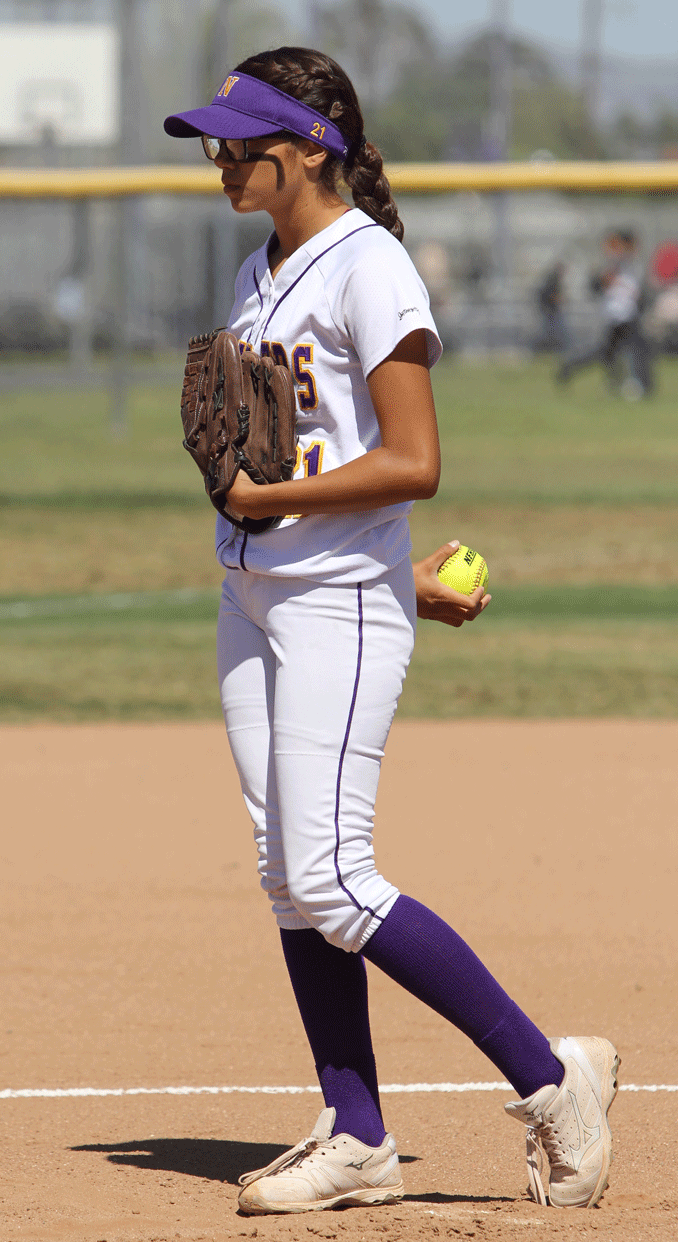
pixel 103 290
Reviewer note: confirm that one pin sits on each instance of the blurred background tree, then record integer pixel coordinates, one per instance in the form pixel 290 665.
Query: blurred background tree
pixel 439 109
pixel 633 137
pixel 426 102
pixel 423 100
pixel 422 103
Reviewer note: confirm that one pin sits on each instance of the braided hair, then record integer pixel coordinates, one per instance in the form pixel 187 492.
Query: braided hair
pixel 319 82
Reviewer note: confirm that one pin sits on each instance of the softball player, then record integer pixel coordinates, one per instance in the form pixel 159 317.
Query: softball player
pixel 316 630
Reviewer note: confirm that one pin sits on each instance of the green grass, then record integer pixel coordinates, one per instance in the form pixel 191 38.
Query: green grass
pixel 540 605
pixel 570 494
pixel 508 434
pixel 526 667
pixel 109 670
pixel 511 434
pixel 58 451
pixel 541 651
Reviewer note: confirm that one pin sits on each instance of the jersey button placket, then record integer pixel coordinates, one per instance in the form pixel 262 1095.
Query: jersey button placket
pixel 268 298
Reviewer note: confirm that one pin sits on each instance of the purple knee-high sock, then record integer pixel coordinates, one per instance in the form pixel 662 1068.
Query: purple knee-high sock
pixel 330 987
pixel 421 953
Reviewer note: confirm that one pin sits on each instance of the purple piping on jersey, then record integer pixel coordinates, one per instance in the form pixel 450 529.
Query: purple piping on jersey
pixel 261 303
pixel 359 661
pixel 311 264
pixel 244 543
pixel 223 544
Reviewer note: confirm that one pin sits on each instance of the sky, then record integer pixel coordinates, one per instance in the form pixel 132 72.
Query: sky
pixel 630 27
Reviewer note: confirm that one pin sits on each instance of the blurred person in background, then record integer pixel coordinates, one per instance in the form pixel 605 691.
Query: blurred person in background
pixel 663 324
pixel 663 318
pixel 621 287
pixel 476 269
pixel 433 264
pixel 550 297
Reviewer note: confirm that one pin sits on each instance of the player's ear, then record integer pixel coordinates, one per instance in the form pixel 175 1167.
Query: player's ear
pixel 312 155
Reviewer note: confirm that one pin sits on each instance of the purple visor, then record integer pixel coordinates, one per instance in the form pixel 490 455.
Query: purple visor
pixel 244 107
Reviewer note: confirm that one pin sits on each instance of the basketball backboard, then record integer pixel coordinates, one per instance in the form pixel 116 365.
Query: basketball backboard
pixel 59 82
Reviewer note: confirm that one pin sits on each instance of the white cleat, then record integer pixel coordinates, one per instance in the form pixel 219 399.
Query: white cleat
pixel 324 1171
pixel 568 1124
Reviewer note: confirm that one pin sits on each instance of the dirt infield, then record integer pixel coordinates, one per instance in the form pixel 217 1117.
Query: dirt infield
pixel 139 953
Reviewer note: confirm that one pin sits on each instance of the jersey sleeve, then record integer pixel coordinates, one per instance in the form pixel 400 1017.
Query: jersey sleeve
pixel 383 299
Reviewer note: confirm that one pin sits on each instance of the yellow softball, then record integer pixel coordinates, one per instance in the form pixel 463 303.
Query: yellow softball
pixel 464 571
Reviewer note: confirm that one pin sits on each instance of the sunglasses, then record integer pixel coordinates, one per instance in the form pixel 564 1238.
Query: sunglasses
pixel 234 151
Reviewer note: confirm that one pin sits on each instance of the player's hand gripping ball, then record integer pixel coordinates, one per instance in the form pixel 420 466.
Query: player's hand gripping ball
pixel 464 571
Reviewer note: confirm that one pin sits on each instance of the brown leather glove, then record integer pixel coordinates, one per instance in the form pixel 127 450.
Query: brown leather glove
pixel 239 411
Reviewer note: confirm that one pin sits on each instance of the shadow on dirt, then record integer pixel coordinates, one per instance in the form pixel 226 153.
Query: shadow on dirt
pixel 221 1160
pixel 437 1197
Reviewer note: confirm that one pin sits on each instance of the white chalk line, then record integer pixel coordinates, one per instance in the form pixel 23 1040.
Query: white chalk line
pixel 393 1088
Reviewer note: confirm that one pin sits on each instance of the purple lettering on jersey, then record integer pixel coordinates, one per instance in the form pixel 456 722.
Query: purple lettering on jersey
pixel 307 392
pixel 276 351
pixel 313 457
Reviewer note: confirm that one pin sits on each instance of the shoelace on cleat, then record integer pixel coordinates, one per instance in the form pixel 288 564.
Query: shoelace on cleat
pixel 535 1167
pixel 542 1144
pixel 290 1158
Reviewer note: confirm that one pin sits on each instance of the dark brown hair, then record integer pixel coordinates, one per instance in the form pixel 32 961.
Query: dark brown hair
pixel 320 82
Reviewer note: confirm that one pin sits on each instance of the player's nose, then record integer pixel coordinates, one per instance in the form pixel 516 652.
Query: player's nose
pixel 222 161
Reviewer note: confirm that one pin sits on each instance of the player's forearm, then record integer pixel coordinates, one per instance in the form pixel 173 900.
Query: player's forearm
pixel 379 478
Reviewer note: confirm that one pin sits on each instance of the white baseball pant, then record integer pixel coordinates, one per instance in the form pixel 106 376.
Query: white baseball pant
pixel 310 676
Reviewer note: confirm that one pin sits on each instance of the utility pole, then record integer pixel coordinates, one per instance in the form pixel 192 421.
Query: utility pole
pixel 499 135
pixel 592 13
pixel 222 235
pixel 129 142
pixel 371 22
pixel 125 215
pixel 314 22
pixel 500 81
pixel 219 50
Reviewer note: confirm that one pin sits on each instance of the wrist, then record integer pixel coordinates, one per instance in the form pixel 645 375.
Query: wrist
pixel 263 501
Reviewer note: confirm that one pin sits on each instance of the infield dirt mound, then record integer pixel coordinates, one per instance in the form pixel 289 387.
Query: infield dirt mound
pixel 140 952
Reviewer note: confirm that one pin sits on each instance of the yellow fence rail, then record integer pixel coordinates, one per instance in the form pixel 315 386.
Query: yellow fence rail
pixel 661 176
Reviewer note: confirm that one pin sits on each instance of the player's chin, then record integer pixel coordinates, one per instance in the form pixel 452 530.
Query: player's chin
pixel 236 196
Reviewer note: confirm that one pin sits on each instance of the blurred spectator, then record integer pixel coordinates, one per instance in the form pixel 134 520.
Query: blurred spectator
pixel 433 264
pixel 664 265
pixel 620 285
pixel 663 318
pixel 663 324
pixel 432 261
pixel 550 297
pixel 475 272
pixel 26 328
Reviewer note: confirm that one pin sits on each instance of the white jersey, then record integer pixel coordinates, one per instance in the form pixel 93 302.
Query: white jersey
pixel 622 296
pixel 336 309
